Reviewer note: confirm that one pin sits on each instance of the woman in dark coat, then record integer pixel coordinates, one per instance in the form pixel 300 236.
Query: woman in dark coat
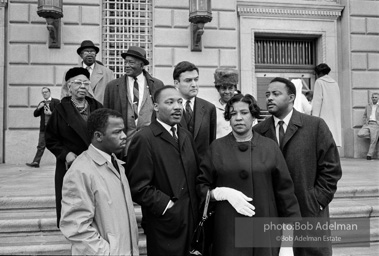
pixel 247 176
pixel 66 131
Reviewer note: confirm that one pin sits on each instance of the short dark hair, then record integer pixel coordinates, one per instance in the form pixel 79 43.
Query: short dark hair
pixel 291 89
pixel 47 88
pixel 158 92
pixel 182 67
pixel 322 68
pixel 98 120
pixel 247 98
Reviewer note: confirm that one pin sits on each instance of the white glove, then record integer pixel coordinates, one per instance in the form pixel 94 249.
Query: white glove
pixel 286 251
pixel 237 199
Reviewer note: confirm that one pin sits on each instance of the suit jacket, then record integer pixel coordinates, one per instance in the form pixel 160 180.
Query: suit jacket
pixel 367 114
pixel 66 132
pixel 40 112
pixel 205 125
pixel 116 97
pixel 100 77
pixel 97 208
pixel 159 170
pixel 313 161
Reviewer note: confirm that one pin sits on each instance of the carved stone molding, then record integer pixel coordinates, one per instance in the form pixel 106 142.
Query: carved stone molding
pixel 290 10
pixel 3 3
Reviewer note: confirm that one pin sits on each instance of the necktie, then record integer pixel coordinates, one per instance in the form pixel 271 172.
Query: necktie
pixel 281 133
pixel 173 130
pixel 188 111
pixel 135 98
pixel 89 70
pixel 114 162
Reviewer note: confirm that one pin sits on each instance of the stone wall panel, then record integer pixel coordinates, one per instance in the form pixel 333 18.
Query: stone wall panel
pixel 18 96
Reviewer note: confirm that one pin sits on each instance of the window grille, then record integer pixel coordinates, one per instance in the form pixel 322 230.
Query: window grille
pixel 125 23
pixel 284 53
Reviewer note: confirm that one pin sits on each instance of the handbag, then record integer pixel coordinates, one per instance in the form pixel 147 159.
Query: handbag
pixel 200 241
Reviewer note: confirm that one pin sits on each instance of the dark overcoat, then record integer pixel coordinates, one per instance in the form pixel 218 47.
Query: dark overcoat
pixel 314 164
pixel 116 94
pixel 258 170
pixel 66 132
pixel 40 112
pixel 159 170
pixel 204 131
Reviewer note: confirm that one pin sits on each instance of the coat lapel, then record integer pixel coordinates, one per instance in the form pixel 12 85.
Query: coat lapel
pixel 96 76
pixel 73 118
pixel 100 160
pixel 122 90
pixel 159 130
pixel 293 126
pixel 199 114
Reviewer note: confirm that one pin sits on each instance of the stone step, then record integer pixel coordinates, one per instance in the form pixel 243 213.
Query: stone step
pixel 356 207
pixel 357 192
pixel 373 250
pixel 43 243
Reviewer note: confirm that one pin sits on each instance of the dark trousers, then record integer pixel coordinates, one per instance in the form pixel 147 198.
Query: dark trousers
pixel 40 147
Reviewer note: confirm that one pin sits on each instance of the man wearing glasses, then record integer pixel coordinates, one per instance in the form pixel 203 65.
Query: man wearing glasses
pixel 44 110
pixel 131 94
pixel 99 75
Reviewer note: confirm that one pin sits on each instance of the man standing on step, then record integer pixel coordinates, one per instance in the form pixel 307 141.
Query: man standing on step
pixel 97 209
pixel 162 167
pixel 370 128
pixel 311 155
pixel 131 94
pixel 44 110
pixel 200 116
pixel 99 74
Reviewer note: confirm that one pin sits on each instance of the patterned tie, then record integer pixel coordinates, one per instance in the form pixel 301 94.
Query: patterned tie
pixel 89 70
pixel 135 98
pixel 173 130
pixel 188 115
pixel 114 162
pixel 281 134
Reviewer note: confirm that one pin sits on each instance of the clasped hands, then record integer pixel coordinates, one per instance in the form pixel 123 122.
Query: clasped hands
pixel 239 201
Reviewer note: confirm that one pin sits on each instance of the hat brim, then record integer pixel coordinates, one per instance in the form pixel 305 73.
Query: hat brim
pixel 145 61
pixel 80 49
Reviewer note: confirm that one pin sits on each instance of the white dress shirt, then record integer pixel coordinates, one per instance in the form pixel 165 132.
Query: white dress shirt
pixel 141 85
pixel 286 121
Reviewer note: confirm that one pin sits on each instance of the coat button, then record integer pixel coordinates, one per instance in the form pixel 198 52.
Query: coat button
pixel 244 174
pixel 243 147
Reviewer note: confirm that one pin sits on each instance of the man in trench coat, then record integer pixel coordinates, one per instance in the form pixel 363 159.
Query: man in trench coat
pixel 162 166
pixel 310 153
pixel 97 209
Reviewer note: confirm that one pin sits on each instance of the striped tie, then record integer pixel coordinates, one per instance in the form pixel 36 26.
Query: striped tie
pixel 135 98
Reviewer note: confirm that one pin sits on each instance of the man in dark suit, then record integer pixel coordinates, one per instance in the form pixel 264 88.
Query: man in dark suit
pixel 311 155
pixel 100 75
pixel 199 115
pixel 162 166
pixel 131 94
pixel 44 110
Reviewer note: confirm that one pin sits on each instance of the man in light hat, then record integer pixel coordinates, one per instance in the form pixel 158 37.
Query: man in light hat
pixel 132 94
pixel 99 75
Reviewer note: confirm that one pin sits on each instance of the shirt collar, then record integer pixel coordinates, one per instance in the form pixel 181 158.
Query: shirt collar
pixel 105 155
pixel 168 127
pixel 49 99
pixel 92 66
pixel 286 120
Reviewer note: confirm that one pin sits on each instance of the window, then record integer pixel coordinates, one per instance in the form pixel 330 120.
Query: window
pixel 125 23
pixel 284 53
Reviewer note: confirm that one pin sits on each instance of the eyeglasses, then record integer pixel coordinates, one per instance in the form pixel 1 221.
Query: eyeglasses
pixel 88 52
pixel 79 83
pixel 45 92
pixel 131 63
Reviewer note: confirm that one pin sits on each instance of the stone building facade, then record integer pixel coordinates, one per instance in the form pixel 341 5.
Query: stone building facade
pixel 342 33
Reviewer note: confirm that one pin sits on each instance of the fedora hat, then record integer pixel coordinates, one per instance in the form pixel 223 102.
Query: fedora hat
pixel 87 44
pixel 136 52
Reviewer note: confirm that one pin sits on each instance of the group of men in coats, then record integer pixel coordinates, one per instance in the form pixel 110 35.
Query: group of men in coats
pixel 162 132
